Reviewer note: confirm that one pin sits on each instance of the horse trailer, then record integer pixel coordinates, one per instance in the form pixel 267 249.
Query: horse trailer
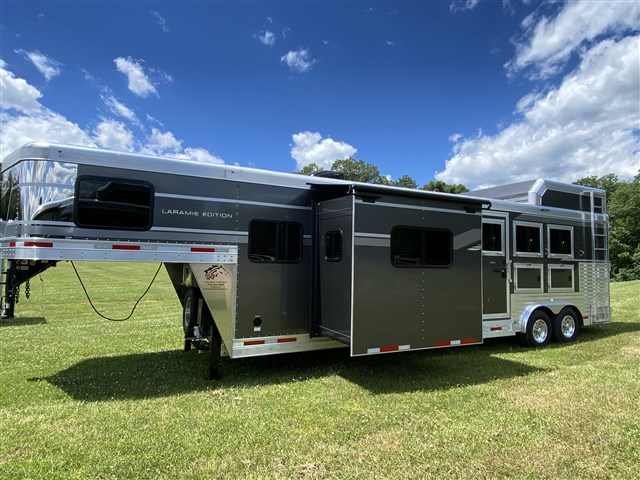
pixel 266 263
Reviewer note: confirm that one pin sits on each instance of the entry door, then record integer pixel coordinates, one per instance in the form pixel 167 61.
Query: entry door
pixel 495 268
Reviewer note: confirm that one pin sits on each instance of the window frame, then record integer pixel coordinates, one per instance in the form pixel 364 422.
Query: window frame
pixel 562 267
pixel 77 201
pixel 518 253
pixel 423 230
pixel 502 224
pixel 277 259
pixel 529 266
pixel 338 258
pixel 568 228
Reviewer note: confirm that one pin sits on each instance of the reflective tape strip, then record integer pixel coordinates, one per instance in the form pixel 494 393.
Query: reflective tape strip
pixel 202 249
pixel 125 247
pixel 248 343
pixel 447 343
pixel 388 348
pixel 39 244
pixel 493 329
pixel 286 340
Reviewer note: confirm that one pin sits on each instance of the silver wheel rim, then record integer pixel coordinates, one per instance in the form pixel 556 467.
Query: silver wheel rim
pixel 568 326
pixel 540 330
pixel 186 315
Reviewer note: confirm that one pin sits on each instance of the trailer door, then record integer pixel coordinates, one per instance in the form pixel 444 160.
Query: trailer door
pixel 495 268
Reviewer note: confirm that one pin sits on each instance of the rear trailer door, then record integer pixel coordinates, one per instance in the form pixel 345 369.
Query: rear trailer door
pixel 416 276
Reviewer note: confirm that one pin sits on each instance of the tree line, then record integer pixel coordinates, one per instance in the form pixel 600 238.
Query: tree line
pixel 623 207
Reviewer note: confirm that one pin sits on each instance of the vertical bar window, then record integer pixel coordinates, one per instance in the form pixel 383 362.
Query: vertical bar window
pixel 560 241
pixel 333 241
pixel 275 242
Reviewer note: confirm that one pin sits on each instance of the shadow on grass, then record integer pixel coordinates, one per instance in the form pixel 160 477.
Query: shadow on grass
pixel 159 374
pixel 19 322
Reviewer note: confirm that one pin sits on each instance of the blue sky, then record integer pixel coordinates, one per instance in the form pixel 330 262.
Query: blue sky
pixel 474 92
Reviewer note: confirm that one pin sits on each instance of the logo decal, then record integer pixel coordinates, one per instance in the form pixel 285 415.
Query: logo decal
pixel 214 271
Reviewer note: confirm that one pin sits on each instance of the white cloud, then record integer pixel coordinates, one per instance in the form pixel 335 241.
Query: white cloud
pixel 267 38
pixel 390 43
pixel 549 42
pixel 114 135
pixel 16 93
pixel 298 60
pixel 46 65
pixel 139 82
pixel 118 108
pixel 162 23
pixel 200 155
pixel 463 5
pixel 161 143
pixel 24 119
pixel 585 126
pixel 310 147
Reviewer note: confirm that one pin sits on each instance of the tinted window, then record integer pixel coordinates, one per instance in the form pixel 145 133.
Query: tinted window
pixel 113 203
pixel 271 241
pixel 492 237
pixel 333 246
pixel 421 247
pixel 528 239
pixel 560 241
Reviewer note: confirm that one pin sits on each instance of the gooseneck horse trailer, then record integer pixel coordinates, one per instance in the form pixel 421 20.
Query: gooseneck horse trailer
pixel 266 263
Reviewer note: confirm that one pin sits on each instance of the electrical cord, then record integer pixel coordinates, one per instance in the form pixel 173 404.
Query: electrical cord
pixel 134 306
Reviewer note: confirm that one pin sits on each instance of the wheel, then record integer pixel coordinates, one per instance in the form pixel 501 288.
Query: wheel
pixel 538 333
pixel 565 325
pixel 189 312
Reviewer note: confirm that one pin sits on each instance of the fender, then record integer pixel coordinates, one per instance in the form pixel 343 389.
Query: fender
pixel 553 307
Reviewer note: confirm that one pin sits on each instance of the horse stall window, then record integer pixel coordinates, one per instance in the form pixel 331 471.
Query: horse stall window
pixel 113 203
pixel 528 239
pixel 492 236
pixel 421 247
pixel 333 246
pixel 275 242
pixel 560 241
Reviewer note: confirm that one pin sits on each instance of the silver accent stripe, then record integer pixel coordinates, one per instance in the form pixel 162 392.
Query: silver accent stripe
pixel 372 235
pixel 417 207
pixel 227 200
pixel 201 230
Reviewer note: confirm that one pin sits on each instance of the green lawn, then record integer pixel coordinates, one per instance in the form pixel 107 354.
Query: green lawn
pixel 82 397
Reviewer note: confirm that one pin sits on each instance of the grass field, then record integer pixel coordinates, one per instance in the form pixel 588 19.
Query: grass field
pixel 82 397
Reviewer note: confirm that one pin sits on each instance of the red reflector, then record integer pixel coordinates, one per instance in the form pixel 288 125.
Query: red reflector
pixel 443 344
pixel 389 348
pixel 38 244
pixel 466 341
pixel 253 342
pixel 202 249
pixel 584 317
pixel 12 244
pixel 288 339
pixel 493 329
pixel 125 247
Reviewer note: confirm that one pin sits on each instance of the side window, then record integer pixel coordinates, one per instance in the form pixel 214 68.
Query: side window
pixel 333 246
pixel 560 241
pixel 275 242
pixel 492 237
pixel 113 203
pixel 421 247
pixel 528 239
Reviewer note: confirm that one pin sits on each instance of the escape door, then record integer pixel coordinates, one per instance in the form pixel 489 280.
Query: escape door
pixel 495 267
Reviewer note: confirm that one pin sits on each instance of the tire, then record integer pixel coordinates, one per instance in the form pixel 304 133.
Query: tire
pixel 189 311
pixel 566 325
pixel 539 331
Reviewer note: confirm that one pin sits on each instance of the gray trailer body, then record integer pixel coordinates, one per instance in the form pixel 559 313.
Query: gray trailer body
pixel 285 262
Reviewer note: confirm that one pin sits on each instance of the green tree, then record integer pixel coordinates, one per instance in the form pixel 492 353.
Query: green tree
pixel 405 181
pixel 440 186
pixel 623 207
pixel 358 171
pixel 309 169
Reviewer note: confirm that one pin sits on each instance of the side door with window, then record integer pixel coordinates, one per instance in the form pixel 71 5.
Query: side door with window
pixel 495 268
